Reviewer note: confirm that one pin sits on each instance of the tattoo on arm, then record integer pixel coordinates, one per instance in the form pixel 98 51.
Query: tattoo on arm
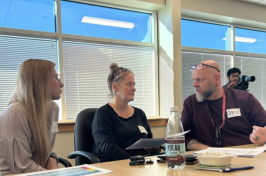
pixel 193 141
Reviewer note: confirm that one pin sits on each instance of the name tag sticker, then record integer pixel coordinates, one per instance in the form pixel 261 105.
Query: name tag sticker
pixel 142 129
pixel 55 127
pixel 233 112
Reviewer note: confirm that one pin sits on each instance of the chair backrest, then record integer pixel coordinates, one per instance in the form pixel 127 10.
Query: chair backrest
pixel 83 140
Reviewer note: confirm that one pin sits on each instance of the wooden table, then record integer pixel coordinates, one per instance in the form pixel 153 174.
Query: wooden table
pixel 122 168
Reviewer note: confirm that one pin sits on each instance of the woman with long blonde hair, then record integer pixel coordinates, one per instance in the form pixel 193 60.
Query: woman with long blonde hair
pixel 28 126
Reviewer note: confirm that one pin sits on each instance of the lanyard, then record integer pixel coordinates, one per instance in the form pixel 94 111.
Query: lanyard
pixel 223 112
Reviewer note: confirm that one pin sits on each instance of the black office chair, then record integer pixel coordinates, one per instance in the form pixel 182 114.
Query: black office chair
pixel 83 140
pixel 64 162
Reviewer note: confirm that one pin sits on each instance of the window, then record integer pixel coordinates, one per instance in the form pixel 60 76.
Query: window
pixel 207 35
pixel 250 41
pixel 191 58
pixel 14 50
pixel 86 67
pixel 28 14
pixel 204 35
pixel 252 66
pixel 85 63
pixel 104 22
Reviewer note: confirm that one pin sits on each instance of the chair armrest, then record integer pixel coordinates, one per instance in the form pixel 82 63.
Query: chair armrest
pixel 64 162
pixel 162 147
pixel 93 158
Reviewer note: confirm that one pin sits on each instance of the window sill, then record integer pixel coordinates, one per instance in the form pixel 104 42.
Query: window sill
pixel 68 126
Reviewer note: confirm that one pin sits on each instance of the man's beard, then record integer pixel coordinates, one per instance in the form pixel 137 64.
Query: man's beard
pixel 202 97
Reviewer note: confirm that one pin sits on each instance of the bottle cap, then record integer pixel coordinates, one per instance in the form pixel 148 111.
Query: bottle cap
pixel 174 109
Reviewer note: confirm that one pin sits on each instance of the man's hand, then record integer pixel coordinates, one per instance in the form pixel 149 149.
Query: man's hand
pixel 194 144
pixel 232 84
pixel 258 135
pixel 51 164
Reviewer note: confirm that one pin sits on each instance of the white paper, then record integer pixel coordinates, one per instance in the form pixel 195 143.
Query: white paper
pixel 147 142
pixel 179 134
pixel 82 170
pixel 263 147
pixel 240 152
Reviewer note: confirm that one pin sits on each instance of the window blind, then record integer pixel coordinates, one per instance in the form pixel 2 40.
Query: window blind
pixel 86 67
pixel 192 58
pixel 254 67
pixel 14 50
pixel 166 88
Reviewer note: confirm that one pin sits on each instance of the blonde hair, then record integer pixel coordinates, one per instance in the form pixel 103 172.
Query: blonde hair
pixel 33 91
pixel 117 74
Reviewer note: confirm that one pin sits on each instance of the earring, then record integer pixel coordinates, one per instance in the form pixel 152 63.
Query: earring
pixel 115 93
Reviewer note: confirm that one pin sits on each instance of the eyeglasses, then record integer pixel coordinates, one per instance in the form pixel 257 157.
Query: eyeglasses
pixel 122 68
pixel 116 72
pixel 200 65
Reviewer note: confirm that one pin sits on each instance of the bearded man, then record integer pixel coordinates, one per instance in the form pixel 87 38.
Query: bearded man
pixel 220 117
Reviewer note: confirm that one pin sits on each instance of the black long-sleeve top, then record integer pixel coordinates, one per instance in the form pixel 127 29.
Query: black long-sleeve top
pixel 113 134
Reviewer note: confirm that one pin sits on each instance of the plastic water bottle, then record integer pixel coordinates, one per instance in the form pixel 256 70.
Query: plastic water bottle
pixel 175 149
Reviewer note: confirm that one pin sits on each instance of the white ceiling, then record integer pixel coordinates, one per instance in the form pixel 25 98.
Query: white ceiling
pixel 259 2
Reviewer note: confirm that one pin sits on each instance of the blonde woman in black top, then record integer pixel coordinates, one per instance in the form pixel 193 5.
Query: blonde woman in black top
pixel 118 125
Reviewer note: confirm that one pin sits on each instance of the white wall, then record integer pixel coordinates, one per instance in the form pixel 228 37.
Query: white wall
pixel 228 11
pixel 169 24
pixel 139 4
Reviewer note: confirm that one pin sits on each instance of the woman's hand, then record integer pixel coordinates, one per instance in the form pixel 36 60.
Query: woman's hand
pixel 152 150
pixel 51 164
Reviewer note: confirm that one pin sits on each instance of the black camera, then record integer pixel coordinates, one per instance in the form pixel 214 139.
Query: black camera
pixel 244 81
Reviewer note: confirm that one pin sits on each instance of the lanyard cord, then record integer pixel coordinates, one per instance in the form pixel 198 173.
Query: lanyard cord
pixel 223 112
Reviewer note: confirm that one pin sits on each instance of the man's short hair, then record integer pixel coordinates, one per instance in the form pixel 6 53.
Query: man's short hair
pixel 233 70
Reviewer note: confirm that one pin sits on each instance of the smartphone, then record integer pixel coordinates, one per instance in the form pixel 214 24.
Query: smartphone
pixel 190 159
pixel 161 161
pixel 161 156
pixel 192 162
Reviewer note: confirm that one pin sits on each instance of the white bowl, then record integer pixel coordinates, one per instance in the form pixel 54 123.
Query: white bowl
pixel 215 158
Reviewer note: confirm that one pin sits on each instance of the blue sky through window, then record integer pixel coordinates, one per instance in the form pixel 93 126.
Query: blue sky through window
pixel 204 35
pixel 28 14
pixel 250 41
pixel 137 24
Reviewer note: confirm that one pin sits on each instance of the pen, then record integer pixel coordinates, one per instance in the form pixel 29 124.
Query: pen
pixel 237 168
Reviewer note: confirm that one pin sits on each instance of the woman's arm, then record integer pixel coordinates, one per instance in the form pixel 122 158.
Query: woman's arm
pixel 16 139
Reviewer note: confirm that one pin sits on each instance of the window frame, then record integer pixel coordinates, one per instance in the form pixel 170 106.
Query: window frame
pixel 60 37
pixel 233 52
pixel 249 28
